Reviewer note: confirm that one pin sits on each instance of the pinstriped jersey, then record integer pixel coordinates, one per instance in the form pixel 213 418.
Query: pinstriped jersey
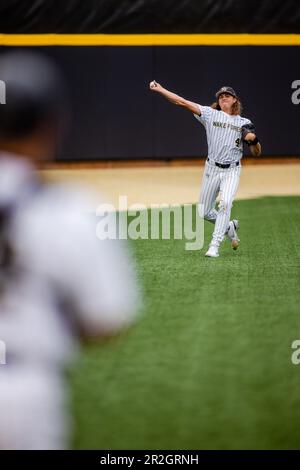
pixel 224 134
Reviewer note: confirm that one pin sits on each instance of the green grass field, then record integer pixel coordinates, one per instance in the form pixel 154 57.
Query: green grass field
pixel 208 365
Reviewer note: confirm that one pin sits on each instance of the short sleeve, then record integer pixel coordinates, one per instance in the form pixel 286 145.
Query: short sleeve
pixel 96 276
pixel 205 115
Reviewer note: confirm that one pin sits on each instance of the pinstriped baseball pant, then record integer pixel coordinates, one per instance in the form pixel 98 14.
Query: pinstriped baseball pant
pixel 224 181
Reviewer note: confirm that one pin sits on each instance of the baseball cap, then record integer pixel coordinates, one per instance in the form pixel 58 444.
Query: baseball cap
pixel 35 94
pixel 226 89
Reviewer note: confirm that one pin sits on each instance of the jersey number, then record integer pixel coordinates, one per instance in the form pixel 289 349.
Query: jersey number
pixel 237 142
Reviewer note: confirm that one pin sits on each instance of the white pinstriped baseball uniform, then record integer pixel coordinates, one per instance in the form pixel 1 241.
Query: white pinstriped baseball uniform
pixel 224 139
pixel 64 281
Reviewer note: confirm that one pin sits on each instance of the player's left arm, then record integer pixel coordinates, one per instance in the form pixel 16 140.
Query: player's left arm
pixel 251 139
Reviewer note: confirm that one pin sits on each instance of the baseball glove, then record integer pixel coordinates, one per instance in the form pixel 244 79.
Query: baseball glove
pixel 246 129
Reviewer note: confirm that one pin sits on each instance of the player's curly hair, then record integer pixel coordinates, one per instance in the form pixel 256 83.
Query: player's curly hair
pixel 237 107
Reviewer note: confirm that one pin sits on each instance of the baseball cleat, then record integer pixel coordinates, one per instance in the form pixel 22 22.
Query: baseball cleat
pixel 213 251
pixel 232 233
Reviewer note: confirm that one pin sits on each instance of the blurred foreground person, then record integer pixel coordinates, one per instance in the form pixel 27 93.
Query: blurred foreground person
pixel 58 282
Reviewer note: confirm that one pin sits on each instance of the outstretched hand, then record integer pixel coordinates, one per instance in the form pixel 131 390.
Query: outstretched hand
pixel 154 86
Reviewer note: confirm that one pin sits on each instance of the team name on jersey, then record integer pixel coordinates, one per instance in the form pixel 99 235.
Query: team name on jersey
pixel 227 125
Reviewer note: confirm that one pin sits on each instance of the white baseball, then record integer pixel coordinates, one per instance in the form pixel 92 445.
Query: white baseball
pixel 153 84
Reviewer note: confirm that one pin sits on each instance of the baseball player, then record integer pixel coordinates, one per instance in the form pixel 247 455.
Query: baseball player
pixel 58 282
pixel 226 131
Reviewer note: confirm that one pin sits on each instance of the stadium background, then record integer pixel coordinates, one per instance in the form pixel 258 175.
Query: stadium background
pixel 209 364
pixel 108 84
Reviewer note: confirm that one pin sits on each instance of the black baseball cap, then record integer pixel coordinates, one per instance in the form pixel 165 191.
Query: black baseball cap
pixel 226 89
pixel 35 94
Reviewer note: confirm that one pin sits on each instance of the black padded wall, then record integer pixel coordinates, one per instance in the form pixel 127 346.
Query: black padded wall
pixel 116 116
